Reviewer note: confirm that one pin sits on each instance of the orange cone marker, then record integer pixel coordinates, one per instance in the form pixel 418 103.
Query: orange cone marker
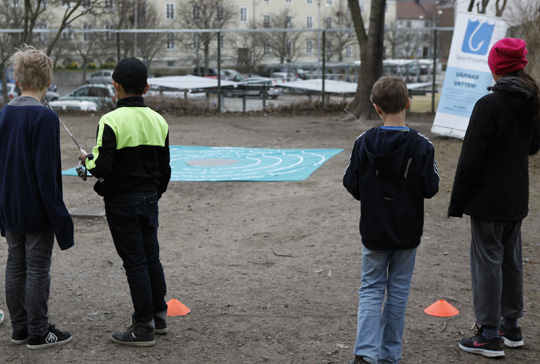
pixel 441 308
pixel 176 308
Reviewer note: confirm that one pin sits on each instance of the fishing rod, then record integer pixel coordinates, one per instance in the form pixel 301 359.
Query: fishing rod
pixel 81 170
pixel 355 118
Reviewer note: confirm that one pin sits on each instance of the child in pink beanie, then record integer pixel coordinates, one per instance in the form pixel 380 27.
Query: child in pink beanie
pixel 491 185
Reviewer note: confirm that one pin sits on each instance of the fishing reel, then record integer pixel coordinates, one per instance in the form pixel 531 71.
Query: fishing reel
pixel 82 172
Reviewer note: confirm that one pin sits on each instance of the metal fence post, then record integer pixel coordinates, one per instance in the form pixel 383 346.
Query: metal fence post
pixel 434 75
pixel 219 70
pixel 323 67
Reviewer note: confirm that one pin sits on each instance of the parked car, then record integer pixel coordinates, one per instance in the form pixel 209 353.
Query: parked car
pixel 291 72
pixel 92 97
pixel 104 76
pixel 51 94
pixel 229 74
pixel 255 86
pixel 211 72
pixel 14 92
pixel 173 93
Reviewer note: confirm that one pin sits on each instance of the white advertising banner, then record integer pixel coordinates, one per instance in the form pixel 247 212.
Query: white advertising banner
pixel 467 74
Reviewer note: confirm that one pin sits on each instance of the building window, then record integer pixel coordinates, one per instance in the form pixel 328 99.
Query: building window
pixel 288 1
pixel 243 14
pixel 266 48
pixel 42 36
pixel 309 22
pixel 109 36
pixel 309 2
pixel 170 41
pixel 87 4
pixel 288 21
pixel 87 36
pixel 108 5
pixel 328 2
pixel 196 42
pixel 348 51
pixel 169 11
pixel 220 13
pixel 67 33
pixel 329 22
pixel 196 12
pixel 266 21
pixel 309 47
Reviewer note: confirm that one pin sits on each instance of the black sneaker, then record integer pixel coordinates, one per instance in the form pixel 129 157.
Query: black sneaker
pixel 511 337
pixel 54 337
pixel 358 360
pixel 161 327
pixel 478 344
pixel 138 334
pixel 19 338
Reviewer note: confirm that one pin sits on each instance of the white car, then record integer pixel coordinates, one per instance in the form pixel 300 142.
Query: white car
pixel 93 97
pixel 13 92
pixel 173 93
pixel 104 76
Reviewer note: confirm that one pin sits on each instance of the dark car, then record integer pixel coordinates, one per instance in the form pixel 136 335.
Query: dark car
pixel 210 72
pixel 255 86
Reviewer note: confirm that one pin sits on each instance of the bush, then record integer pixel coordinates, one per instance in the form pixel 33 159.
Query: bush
pixel 107 65
pixel 72 66
pixel 91 66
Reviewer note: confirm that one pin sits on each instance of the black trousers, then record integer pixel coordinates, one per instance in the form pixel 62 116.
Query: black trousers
pixel 133 222
pixel 496 271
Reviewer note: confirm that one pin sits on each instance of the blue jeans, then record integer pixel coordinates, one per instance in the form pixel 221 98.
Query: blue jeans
pixel 379 334
pixel 28 281
pixel 133 222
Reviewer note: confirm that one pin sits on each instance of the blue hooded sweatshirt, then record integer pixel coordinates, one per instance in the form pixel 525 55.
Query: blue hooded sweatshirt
pixel 391 171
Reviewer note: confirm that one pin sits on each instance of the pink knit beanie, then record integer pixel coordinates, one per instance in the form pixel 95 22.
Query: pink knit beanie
pixel 507 55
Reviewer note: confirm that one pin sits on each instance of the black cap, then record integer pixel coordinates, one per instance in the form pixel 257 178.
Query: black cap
pixel 131 73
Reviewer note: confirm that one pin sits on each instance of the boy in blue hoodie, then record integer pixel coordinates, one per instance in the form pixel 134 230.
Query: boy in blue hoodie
pixel 391 171
pixel 32 210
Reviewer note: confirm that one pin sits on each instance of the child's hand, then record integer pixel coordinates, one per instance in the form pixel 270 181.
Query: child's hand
pixel 83 157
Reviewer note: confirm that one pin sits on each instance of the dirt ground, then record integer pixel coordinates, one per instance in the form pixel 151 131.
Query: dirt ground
pixel 269 270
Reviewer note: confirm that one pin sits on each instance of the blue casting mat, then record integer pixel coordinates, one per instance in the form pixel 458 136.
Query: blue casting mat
pixel 194 163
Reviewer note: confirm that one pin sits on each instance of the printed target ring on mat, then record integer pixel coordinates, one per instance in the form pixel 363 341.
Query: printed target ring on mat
pixel 211 162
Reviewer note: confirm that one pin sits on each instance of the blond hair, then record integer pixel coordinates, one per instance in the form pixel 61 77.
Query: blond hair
pixel 32 69
pixel 390 93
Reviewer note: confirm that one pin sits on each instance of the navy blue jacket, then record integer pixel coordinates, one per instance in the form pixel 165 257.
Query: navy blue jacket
pixel 31 200
pixel 391 171
pixel 492 175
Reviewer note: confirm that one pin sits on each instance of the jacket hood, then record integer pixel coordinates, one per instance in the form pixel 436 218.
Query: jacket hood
pixel 390 151
pixel 519 98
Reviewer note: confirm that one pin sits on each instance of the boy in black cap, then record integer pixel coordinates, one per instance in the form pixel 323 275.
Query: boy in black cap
pixel 131 159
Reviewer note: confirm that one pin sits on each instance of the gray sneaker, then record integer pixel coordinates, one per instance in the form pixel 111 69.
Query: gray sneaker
pixel 138 334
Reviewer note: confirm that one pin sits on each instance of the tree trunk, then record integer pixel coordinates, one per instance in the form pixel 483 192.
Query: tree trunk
pixel 371 56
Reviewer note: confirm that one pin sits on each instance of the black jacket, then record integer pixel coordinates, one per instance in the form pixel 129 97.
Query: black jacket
pixel 391 172
pixel 492 175
pixel 132 151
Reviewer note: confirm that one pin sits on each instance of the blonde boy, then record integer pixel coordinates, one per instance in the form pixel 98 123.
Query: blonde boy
pixel 32 210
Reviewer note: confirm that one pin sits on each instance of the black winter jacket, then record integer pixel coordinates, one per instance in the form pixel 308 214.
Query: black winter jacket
pixel 492 175
pixel 391 172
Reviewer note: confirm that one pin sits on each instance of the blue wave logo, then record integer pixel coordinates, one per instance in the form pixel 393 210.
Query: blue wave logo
pixel 477 37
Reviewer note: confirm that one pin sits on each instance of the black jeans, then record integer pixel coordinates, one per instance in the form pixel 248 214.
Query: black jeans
pixel 133 221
